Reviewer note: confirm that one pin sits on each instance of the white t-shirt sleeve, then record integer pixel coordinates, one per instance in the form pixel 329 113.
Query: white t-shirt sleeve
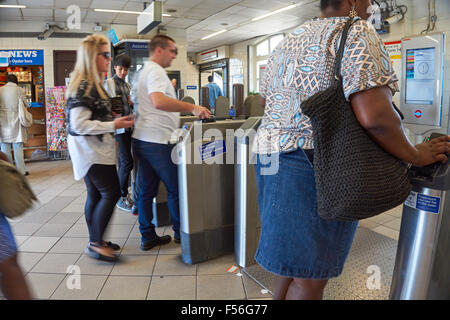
pixel 156 81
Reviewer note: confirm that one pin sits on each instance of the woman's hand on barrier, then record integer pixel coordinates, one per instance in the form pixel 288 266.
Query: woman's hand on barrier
pixel 124 122
pixel 432 151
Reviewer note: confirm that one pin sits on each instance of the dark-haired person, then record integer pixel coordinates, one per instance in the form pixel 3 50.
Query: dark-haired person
pixel 298 246
pixel 12 132
pixel 214 92
pixel 158 117
pixel 117 86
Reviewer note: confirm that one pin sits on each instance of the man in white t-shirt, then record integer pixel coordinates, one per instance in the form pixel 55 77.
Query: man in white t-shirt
pixel 158 117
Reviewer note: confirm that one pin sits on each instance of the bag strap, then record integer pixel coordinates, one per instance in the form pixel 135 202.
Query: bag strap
pixel 340 53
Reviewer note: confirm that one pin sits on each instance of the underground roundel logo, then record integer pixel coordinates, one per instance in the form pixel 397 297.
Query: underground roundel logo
pixel 418 114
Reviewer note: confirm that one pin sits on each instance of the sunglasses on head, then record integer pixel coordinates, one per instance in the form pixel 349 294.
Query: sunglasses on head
pixel 105 54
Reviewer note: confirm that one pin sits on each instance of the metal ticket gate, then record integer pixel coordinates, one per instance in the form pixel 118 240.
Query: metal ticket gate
pixel 161 214
pixel 206 189
pixel 247 223
pixel 422 264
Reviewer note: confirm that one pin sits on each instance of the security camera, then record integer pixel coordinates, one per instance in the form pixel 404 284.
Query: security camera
pixel 393 19
pixel 49 30
pixel 44 35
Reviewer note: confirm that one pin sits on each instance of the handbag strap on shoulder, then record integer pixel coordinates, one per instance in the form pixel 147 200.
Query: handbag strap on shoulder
pixel 340 52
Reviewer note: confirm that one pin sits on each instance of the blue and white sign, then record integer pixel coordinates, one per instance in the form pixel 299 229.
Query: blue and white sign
pixel 139 46
pixel 191 87
pixel 423 202
pixel 113 36
pixel 212 149
pixel 23 57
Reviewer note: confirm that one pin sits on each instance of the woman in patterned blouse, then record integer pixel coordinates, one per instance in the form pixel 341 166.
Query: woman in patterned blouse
pixel 302 249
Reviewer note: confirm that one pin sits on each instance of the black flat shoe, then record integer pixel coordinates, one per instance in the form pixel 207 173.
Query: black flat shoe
pixel 158 241
pixel 96 255
pixel 112 245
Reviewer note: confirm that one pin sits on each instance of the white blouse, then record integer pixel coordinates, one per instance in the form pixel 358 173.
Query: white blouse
pixel 88 150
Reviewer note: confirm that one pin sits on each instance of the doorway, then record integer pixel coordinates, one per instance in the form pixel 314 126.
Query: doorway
pixel 63 64
pixel 219 71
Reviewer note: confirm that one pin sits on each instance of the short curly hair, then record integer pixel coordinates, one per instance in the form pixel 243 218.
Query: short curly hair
pixel 335 4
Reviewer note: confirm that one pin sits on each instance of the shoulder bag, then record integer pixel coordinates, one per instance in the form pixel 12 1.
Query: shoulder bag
pixel 25 118
pixel 355 177
pixel 16 196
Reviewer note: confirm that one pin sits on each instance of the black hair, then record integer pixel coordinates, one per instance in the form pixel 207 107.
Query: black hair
pixel 160 40
pixel 122 60
pixel 12 78
pixel 210 79
pixel 335 4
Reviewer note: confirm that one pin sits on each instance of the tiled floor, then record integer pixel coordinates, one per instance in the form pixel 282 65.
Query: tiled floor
pixel 53 235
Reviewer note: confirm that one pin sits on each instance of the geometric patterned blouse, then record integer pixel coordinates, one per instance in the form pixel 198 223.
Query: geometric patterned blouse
pixel 303 64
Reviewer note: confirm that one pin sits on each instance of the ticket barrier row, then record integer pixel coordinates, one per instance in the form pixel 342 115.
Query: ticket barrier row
pixel 211 225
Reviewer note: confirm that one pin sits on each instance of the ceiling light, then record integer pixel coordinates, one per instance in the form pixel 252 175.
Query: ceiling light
pixel 12 6
pixel 131 12
pixel 214 34
pixel 275 12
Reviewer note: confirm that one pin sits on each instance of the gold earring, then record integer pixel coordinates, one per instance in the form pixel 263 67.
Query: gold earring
pixel 353 12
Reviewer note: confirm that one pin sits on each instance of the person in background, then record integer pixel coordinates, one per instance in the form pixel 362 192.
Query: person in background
pixel 300 248
pixel 117 87
pixel 214 92
pixel 13 283
pixel 91 142
pixel 174 84
pixel 158 117
pixel 13 133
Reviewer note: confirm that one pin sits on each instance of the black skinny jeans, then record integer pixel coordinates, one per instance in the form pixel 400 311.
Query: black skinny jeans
pixel 125 161
pixel 103 192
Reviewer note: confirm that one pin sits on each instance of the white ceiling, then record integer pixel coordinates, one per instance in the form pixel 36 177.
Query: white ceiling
pixel 198 17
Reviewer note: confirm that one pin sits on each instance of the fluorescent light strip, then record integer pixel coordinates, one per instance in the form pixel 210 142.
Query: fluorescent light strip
pixel 275 12
pixel 12 6
pixel 124 11
pixel 215 34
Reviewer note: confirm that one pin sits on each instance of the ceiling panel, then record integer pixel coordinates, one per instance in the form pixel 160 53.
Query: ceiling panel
pixel 63 4
pixel 38 3
pixel 126 18
pixel 182 23
pixel 108 4
pixel 100 17
pixel 37 12
pixel 10 12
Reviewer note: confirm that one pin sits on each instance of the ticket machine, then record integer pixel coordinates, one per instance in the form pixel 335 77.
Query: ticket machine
pixel 422 87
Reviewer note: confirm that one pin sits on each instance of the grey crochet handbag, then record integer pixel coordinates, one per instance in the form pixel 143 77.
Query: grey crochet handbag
pixel 355 178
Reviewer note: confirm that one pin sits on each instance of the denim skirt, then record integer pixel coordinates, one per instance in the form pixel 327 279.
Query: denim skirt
pixel 295 241
pixel 7 243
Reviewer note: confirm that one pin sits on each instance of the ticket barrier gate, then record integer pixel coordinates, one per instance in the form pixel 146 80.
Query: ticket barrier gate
pixel 206 189
pixel 422 264
pixel 161 214
pixel 247 223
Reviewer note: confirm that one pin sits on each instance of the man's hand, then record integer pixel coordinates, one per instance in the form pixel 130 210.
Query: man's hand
pixel 201 112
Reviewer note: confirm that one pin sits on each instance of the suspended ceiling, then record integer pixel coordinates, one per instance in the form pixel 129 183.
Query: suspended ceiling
pixel 198 17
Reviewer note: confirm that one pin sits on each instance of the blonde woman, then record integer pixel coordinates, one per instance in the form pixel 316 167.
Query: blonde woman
pixel 91 141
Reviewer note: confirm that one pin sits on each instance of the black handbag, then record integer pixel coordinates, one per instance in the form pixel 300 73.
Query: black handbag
pixel 355 177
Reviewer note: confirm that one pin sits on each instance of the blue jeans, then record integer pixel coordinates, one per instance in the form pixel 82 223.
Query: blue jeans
pixel 155 164
pixel 18 154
